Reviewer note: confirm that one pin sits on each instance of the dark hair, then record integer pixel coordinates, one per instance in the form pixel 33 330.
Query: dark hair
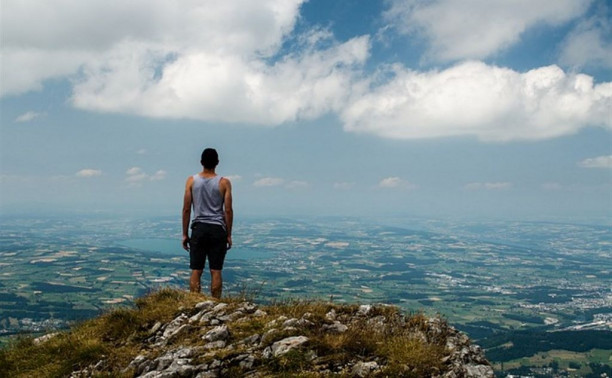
pixel 209 159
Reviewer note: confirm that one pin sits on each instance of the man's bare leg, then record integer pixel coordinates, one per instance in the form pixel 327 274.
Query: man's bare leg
pixel 194 282
pixel 216 283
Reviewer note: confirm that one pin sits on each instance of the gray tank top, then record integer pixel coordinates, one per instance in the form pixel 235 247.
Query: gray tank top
pixel 207 201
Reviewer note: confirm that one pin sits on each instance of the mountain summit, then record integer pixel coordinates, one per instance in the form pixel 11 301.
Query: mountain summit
pixel 171 333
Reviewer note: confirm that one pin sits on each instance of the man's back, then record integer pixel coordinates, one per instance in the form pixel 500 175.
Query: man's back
pixel 207 200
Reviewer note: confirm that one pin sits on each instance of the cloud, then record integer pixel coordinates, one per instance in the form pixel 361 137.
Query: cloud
pixel 476 99
pixel 66 35
pixel 135 176
pixel 598 162
pixel 269 181
pixel 233 178
pixel 589 43
pixel 158 55
pixel 277 181
pixel 395 183
pixel 28 116
pixel 86 173
pixel 159 175
pixel 301 85
pixel 476 29
pixel 488 186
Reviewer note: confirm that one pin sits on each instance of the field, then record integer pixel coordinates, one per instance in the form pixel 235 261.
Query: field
pixel 487 279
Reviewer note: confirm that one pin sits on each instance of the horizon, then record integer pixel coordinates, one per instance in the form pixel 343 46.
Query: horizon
pixel 360 109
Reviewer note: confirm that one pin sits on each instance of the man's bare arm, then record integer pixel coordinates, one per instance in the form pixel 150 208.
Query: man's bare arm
pixel 226 188
pixel 187 212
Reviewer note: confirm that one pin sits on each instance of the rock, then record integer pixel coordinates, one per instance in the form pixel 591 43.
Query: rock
pixel 174 325
pixel 305 323
pixel 247 363
pixel 363 369
pixel 218 333
pixel 253 339
pixel 137 363
pixel 152 374
pixel 285 345
pixel 259 313
pixel 208 374
pixel 182 368
pixel 290 322
pixel 178 332
pixel 197 316
pixel 155 328
pixel 247 307
pixel 336 327
pixel 331 315
pixel 477 371
pixel 364 310
pixel 231 317
pixel 44 338
pixel 219 308
pixel 267 353
pixel 215 345
pixel 186 352
pixel 206 305
pixel 271 324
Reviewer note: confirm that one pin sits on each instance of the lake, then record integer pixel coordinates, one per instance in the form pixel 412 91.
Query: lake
pixel 172 247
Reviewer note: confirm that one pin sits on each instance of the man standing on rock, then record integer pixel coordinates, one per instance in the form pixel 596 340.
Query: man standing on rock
pixel 210 195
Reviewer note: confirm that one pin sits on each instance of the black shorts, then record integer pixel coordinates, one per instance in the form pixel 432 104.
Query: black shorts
pixel 207 240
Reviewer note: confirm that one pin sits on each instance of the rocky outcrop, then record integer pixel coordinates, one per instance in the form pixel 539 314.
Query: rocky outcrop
pixel 241 339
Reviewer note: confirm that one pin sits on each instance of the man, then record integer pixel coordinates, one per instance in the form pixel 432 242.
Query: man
pixel 211 228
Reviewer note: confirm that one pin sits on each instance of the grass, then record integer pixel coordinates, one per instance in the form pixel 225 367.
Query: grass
pixel 117 336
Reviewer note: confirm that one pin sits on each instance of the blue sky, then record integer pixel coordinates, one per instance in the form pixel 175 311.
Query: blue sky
pixel 370 108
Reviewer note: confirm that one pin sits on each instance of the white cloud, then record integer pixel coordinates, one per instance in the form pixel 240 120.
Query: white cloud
pixel 86 173
pixel 239 89
pixel 159 175
pixel 589 43
pixel 269 181
pixel 395 183
pixel 67 34
pixel 28 116
pixel 475 99
pixel 488 186
pixel 233 178
pixel 136 175
pixel 134 171
pixel 477 29
pixel 142 151
pixel 598 162
pixel 159 55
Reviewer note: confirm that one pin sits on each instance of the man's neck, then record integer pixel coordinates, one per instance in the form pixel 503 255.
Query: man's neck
pixel 208 172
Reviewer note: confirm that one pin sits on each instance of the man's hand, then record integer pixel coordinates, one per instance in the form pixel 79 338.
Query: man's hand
pixel 186 243
pixel 229 242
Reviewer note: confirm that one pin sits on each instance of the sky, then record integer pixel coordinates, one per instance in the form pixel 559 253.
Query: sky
pixel 441 108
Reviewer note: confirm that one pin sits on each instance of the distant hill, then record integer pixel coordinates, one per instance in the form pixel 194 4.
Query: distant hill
pixel 171 333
